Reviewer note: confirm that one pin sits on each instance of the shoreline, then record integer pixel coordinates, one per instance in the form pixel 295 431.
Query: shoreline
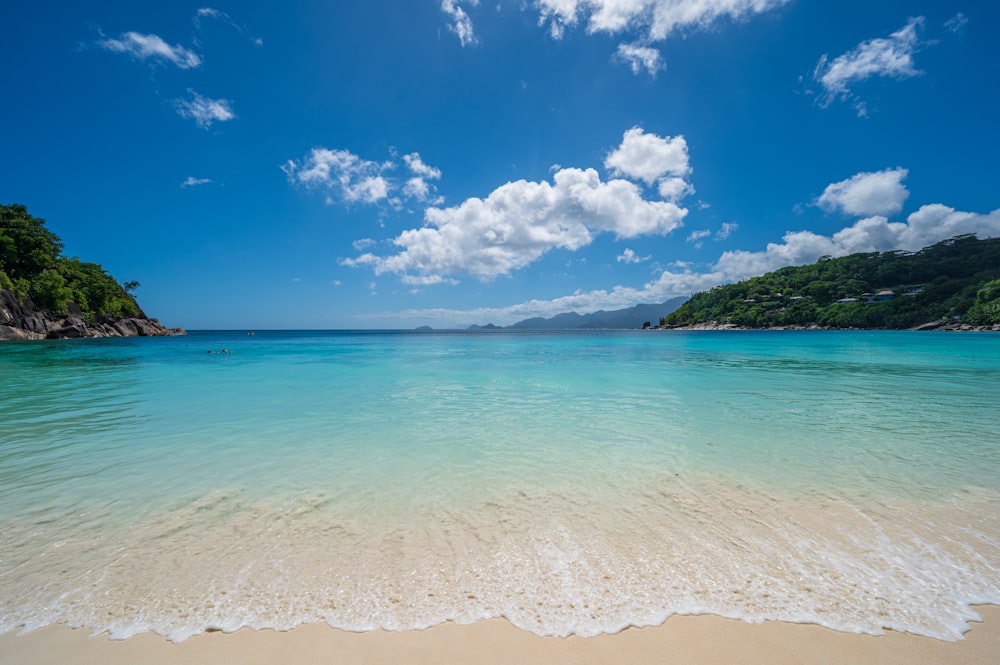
pixel 700 639
pixel 927 327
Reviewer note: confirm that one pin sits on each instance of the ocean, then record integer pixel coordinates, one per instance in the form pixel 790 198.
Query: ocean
pixel 569 482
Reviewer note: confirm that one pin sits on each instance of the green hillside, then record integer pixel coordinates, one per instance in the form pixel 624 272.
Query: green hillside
pixel 32 264
pixel 959 277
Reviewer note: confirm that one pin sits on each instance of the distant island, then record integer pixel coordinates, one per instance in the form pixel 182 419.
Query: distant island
pixel 45 295
pixel 636 317
pixel 954 284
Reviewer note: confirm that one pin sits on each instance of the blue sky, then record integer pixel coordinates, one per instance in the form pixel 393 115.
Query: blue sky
pixel 390 164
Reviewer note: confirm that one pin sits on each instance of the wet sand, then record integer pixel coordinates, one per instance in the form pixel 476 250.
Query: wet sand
pixel 705 640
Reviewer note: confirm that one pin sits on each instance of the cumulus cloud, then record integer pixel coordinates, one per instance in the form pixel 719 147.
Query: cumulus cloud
pixel 144 47
pixel 928 225
pixel 656 18
pixel 879 193
pixel 698 235
pixel 520 221
pixel 890 57
pixel 651 20
pixel 640 58
pixel 352 179
pixel 460 24
pixel 416 186
pixel 653 159
pixel 204 111
pixel 191 181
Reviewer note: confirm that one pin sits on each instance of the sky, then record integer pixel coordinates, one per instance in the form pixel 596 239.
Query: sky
pixel 399 163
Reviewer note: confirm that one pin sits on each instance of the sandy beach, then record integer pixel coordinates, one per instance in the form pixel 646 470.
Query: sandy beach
pixel 698 639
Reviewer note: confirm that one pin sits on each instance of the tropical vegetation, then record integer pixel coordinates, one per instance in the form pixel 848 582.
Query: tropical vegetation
pixel 32 265
pixel 956 279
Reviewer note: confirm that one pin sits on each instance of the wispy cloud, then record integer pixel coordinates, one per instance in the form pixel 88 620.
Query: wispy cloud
pixel 151 47
pixel 191 181
pixel 460 24
pixel 726 230
pixel 210 12
pixel 203 110
pixel 956 23
pixel 890 57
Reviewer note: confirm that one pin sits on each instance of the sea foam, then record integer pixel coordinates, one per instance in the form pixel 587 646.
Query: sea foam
pixel 569 483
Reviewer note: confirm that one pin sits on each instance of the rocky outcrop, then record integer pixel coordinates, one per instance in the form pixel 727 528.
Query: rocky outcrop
pixel 22 318
pixel 954 325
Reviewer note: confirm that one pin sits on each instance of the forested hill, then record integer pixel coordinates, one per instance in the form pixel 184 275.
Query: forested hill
pixel 44 294
pixel 958 279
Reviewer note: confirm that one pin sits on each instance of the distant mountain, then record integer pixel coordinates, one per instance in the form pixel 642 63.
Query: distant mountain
pixel 632 317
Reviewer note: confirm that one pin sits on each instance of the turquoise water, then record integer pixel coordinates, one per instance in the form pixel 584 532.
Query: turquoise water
pixel 569 482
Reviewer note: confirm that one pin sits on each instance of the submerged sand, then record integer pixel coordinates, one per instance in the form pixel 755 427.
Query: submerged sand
pixel 705 640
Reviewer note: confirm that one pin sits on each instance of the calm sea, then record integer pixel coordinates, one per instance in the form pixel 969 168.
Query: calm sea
pixel 569 482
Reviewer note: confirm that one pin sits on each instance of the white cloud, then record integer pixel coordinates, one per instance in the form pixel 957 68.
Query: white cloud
pixel 629 256
pixel 191 181
pixel 928 225
pixel 726 230
pixel 417 187
pixel 519 222
pixel 879 193
pixel 651 158
pixel 674 188
pixel 698 235
pixel 666 286
pixel 142 47
pixel 204 111
pixel 655 19
pixel 210 12
pixel 890 58
pixel 956 23
pixel 461 24
pixel 417 167
pixel 356 180
pixel 640 57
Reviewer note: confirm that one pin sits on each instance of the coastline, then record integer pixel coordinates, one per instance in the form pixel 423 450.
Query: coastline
pixel 681 639
pixel 935 326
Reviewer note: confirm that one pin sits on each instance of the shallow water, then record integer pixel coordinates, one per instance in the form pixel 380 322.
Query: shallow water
pixel 570 482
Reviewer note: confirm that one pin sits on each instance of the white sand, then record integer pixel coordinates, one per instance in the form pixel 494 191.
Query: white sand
pixel 704 640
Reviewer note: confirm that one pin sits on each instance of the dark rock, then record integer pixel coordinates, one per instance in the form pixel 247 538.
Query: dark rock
pixel 24 319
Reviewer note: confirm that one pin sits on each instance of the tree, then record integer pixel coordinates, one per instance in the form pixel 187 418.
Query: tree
pixel 26 247
pixel 31 263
